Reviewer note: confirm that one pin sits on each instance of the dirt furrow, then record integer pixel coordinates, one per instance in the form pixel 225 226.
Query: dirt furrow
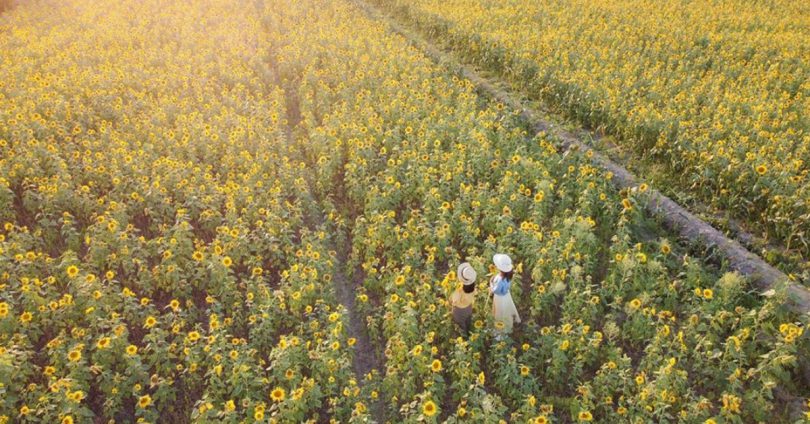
pixel 345 279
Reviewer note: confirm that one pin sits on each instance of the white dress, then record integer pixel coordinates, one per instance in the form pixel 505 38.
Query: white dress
pixel 503 307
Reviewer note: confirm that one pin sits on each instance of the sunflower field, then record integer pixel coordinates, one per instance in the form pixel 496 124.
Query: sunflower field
pixel 716 92
pixel 251 211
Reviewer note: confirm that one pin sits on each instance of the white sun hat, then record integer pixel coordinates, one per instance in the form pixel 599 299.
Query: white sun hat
pixel 466 274
pixel 502 262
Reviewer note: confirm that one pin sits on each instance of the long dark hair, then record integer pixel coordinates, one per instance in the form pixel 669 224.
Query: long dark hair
pixel 468 288
pixel 508 275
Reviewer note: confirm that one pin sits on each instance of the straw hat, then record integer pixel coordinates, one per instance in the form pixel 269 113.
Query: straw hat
pixel 502 262
pixel 466 274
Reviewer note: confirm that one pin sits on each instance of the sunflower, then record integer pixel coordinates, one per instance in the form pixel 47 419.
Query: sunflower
pixel 585 416
pixel 74 355
pixel 277 395
pixel 132 350
pixel 144 401
pixel 72 271
pixel 436 365
pixel 227 261
pixel 150 322
pixel 103 343
pixel 429 409
pixel 626 204
pixel 761 169
pixel 76 396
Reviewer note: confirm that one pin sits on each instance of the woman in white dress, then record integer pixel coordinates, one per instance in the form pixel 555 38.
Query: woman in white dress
pixel 503 307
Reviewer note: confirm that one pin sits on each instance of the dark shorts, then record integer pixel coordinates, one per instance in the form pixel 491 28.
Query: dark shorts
pixel 463 317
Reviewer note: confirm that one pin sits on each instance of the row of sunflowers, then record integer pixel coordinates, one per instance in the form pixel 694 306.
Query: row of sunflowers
pixel 185 182
pixel 717 91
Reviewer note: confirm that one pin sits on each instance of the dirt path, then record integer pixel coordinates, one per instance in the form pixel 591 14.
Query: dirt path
pixel 345 279
pixel 367 359
pixel 6 5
